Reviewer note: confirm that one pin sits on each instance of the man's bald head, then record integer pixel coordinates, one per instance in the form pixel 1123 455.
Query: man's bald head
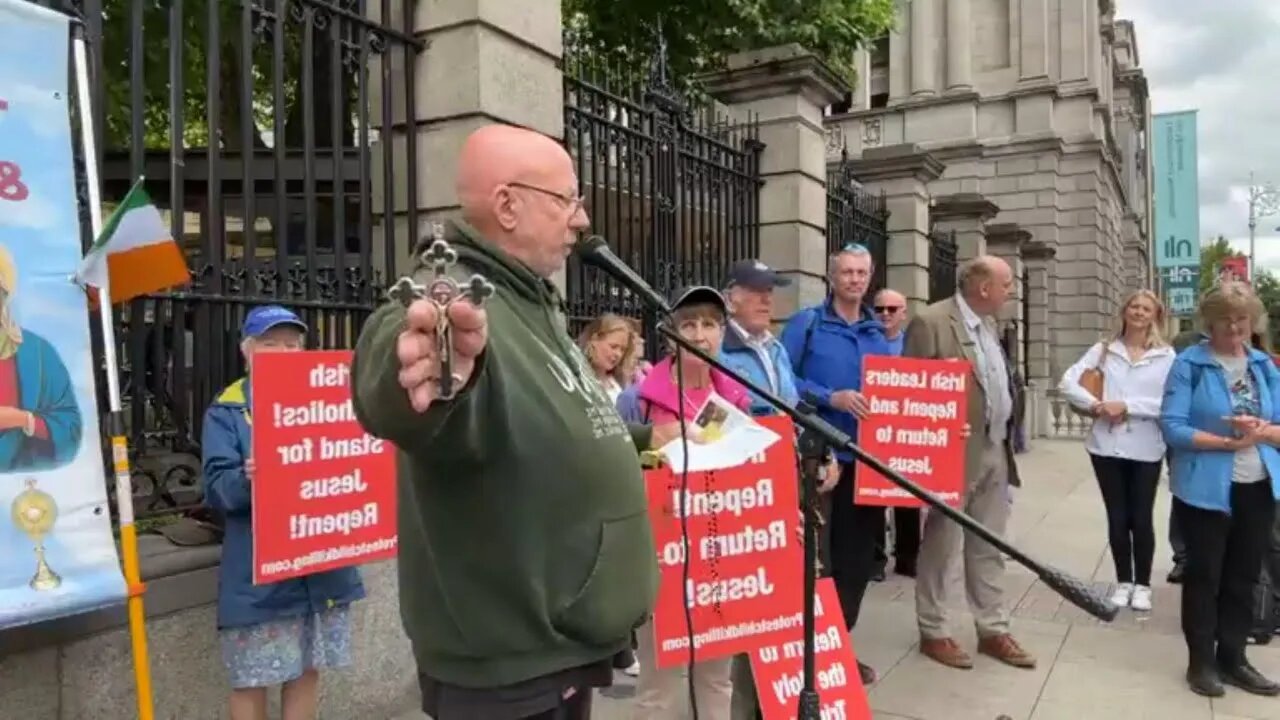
pixel 518 188
pixel 986 283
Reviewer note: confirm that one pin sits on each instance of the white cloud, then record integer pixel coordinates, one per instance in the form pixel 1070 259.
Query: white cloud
pixel 1219 58
pixel 46 111
pixel 33 213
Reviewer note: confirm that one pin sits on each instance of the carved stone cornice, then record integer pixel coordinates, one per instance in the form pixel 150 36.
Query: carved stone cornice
pixel 896 161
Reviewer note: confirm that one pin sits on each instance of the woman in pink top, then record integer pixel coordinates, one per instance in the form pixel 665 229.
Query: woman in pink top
pixel 699 316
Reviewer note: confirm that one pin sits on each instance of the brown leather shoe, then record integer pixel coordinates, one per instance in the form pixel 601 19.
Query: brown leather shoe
pixel 1007 650
pixel 947 652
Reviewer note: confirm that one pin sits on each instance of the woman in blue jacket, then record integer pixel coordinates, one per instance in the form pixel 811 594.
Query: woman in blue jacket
pixel 1220 401
pixel 284 632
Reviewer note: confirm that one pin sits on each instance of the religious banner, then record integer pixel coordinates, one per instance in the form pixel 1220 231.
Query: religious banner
pixel 916 424
pixel 745 556
pixel 57 553
pixel 778 667
pixel 324 491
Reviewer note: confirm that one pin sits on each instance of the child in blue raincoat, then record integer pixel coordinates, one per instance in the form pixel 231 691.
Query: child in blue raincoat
pixel 282 633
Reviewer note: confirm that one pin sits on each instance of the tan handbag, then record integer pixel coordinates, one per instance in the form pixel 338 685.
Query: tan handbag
pixel 1092 381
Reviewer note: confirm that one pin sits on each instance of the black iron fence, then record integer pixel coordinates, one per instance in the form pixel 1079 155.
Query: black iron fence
pixel 1025 324
pixel 942 265
pixel 856 216
pixel 669 181
pixel 259 127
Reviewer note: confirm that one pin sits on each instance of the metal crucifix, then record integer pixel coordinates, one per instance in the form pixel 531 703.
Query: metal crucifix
pixel 442 291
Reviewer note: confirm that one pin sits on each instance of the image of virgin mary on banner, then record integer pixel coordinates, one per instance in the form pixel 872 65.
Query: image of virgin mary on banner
pixel 57 552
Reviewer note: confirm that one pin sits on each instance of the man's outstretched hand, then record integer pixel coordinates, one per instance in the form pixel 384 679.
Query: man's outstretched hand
pixel 416 348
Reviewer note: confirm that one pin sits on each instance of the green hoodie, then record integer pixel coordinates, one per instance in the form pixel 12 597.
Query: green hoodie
pixel 524 546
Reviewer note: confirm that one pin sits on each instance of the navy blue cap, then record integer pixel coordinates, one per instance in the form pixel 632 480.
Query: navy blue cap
pixel 699 294
pixel 755 275
pixel 262 319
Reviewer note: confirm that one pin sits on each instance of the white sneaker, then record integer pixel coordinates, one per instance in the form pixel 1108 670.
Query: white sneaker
pixel 1123 594
pixel 633 669
pixel 1141 600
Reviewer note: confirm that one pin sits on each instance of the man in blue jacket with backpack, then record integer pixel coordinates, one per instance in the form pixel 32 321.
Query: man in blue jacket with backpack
pixel 826 344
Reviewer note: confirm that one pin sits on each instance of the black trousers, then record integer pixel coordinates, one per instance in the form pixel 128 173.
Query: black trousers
pixel 1224 558
pixel 577 707
pixel 1175 525
pixel 906 539
pixel 1129 495
pixel 854 533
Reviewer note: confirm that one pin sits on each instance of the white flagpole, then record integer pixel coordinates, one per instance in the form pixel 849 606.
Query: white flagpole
pixel 119 446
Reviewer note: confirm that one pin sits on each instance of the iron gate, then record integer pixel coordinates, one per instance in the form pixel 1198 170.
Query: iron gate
pixel 671 184
pixel 942 265
pixel 257 124
pixel 856 216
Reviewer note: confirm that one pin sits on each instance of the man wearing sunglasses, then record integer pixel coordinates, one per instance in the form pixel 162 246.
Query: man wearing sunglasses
pixel 891 309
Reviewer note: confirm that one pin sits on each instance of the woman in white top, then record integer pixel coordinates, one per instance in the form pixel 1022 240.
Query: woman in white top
pixel 1125 443
pixel 609 344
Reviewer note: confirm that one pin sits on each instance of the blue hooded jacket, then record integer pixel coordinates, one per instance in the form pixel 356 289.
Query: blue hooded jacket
pixel 1196 397
pixel 826 354
pixel 225 444
pixel 743 359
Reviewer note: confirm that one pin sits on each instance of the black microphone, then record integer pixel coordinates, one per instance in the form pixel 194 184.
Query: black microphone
pixel 594 251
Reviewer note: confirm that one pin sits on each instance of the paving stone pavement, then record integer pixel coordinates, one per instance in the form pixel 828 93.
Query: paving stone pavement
pixel 1089 670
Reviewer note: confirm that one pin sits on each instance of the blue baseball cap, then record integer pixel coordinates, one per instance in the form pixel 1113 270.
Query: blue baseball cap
pixel 261 319
pixel 755 275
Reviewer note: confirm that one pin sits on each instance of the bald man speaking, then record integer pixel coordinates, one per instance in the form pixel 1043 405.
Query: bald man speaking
pixel 525 553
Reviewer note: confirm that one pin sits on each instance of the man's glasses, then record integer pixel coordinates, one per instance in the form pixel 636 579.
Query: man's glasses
pixel 571 202
pixel 888 309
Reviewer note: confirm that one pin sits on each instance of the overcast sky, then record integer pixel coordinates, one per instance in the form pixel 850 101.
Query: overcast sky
pixel 1221 57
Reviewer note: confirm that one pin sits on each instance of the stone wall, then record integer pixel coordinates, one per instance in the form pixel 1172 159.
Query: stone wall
pixel 1044 113
pixel 80 668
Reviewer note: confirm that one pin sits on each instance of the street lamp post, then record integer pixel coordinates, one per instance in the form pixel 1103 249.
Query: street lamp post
pixel 1264 201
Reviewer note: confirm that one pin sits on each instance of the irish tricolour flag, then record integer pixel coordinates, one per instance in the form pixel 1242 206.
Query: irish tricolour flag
pixel 135 254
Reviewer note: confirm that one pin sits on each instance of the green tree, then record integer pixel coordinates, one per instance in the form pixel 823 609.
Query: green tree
pixel 1265 282
pixel 1211 257
pixel 701 33
pixel 121 19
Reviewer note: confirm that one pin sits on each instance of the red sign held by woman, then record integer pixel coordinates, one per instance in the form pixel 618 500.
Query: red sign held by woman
pixel 745 559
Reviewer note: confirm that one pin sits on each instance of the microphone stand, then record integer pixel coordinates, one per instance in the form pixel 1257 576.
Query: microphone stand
pixel 1075 591
pixel 815 433
pixel 813 451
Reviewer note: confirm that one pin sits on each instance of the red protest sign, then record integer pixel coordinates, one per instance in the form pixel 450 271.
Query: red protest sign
pixel 778 667
pixel 916 424
pixel 745 559
pixel 324 491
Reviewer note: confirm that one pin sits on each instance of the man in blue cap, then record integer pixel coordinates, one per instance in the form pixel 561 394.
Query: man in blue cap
pixel 749 347
pixel 266 631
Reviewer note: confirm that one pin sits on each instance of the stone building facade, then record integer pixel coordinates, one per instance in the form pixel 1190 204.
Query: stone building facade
pixel 1040 108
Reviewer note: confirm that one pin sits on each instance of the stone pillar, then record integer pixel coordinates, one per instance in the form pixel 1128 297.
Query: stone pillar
pixel 959 50
pixel 899 65
pixel 924 43
pixel 903 174
pixel 1005 241
pixel 1033 52
pixel 787 88
pixel 482 63
pixel 1038 259
pixel 967 215
pixel 862 93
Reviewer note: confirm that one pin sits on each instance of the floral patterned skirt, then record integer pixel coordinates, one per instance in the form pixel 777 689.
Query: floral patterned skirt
pixel 278 651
